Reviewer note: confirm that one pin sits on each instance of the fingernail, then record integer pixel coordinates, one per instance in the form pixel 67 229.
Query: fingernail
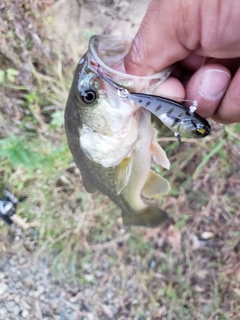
pixel 213 84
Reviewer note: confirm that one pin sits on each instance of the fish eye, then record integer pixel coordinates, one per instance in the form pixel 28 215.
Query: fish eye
pixel 89 96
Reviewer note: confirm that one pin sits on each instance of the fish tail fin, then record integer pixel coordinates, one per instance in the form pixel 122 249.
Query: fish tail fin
pixel 150 217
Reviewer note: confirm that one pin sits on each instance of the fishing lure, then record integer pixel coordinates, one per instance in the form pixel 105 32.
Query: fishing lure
pixel 177 117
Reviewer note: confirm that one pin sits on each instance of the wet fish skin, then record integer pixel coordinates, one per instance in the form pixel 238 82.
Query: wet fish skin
pixel 125 176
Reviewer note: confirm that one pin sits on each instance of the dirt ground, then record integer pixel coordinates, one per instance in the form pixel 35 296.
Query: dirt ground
pixel 68 255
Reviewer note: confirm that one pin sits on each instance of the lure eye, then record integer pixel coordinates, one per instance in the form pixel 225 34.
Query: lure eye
pixel 89 96
pixel 201 131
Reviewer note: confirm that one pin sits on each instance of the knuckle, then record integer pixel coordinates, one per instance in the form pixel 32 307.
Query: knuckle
pixel 136 57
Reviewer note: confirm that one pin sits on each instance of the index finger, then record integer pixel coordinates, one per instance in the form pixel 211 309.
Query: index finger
pixel 156 44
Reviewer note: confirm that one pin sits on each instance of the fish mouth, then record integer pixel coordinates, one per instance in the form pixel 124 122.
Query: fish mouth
pixel 107 53
pixel 109 50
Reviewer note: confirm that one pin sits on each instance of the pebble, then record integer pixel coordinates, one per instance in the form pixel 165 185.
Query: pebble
pixel 22 291
pixel 89 277
pixel 39 292
pixel 3 288
pixel 207 235
pixel 3 313
pixel 24 305
pixel 25 314
pixel 153 264
pixel 22 261
pixel 107 311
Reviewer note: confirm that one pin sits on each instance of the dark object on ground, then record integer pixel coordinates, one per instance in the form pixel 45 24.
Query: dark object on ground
pixel 8 206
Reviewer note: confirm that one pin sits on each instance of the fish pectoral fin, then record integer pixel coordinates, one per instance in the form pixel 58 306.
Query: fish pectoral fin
pixel 159 155
pixel 150 217
pixel 122 173
pixel 155 185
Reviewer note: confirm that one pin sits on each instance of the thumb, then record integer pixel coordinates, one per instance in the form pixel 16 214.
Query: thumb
pixel 161 39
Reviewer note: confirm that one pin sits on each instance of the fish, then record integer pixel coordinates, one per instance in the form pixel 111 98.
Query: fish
pixel 112 140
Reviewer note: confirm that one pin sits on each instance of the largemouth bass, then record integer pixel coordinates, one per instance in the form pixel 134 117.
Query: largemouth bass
pixel 111 139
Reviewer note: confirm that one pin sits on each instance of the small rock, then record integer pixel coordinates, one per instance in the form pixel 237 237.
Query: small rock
pixel 99 274
pixel 25 314
pixel 24 305
pixel 15 310
pixel 89 277
pixel 107 311
pixel 17 299
pixel 3 288
pixel 29 282
pixel 3 313
pixel 22 260
pixel 39 291
pixel 86 266
pixel 153 264
pixel 207 235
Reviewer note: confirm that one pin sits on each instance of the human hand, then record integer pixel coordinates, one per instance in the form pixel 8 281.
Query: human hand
pixel 203 38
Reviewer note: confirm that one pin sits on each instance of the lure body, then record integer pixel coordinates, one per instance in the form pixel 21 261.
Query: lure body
pixel 178 118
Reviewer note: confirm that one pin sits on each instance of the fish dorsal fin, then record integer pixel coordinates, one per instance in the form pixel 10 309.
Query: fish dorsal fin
pixel 159 155
pixel 155 186
pixel 122 173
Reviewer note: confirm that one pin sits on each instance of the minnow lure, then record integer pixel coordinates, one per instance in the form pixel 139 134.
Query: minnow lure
pixel 178 118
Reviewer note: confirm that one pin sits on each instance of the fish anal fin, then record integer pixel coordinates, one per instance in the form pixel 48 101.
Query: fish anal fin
pixel 155 186
pixel 159 155
pixel 122 173
pixel 150 217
